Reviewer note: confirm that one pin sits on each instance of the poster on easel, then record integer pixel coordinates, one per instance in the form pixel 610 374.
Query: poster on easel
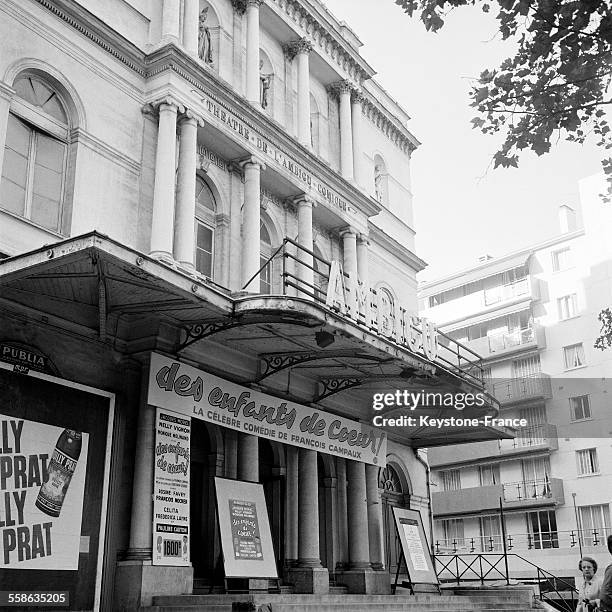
pixel 246 539
pixel 415 548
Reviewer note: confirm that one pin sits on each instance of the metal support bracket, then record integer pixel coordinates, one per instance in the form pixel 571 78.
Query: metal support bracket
pixel 332 386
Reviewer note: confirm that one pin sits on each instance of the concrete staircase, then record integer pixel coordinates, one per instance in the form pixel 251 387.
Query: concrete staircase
pixel 517 599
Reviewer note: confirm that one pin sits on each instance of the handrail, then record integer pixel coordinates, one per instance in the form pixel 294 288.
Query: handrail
pixel 493 572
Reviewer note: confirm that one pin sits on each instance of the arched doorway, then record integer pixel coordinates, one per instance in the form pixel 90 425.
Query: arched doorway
pixel 205 545
pixel 272 476
pixel 394 493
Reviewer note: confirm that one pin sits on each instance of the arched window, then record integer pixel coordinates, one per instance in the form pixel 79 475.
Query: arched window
pixel 389 480
pixel 381 180
pixel 36 153
pixel 265 250
pixel 206 209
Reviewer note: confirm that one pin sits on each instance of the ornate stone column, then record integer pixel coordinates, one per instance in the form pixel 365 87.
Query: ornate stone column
pixel 305 272
pixel 349 243
pixel 248 457
pixel 184 228
pixel 359 548
pixel 356 115
pixel 301 49
pixel 251 220
pixel 170 21
pixel 191 26
pixel 343 89
pixel 342 513
pixel 308 576
pixel 375 519
pixel 162 227
pixel 252 51
pixel 291 508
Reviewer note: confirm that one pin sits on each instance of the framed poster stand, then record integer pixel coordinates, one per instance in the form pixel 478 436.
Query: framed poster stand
pixel 415 554
pixel 249 563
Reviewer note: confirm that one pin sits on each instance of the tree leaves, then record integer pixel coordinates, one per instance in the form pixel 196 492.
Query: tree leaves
pixel 558 81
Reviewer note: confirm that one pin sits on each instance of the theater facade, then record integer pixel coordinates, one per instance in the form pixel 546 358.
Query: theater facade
pixel 208 271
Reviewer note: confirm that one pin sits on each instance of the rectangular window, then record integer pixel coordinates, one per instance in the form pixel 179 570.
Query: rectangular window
pixel 488 474
pixel 573 356
pixel 453 533
pixel 527 367
pixel 587 462
pixel 204 249
pixel 561 259
pixel 542 529
pixel 567 306
pixel 490 533
pixel 451 480
pixel 595 524
pixel 580 408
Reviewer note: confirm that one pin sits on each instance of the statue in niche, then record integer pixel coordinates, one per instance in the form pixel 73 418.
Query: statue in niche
pixel 264 86
pixel 204 41
pixel 378 182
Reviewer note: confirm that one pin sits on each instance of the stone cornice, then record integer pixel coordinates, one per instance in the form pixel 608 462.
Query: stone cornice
pixel 171 58
pixel 98 32
pixel 393 247
pixel 306 16
pixel 388 124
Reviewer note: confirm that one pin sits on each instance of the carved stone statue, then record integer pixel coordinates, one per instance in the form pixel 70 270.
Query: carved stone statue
pixel 378 182
pixel 204 42
pixel 264 86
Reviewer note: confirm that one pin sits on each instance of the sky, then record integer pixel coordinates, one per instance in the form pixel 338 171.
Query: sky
pixel 463 208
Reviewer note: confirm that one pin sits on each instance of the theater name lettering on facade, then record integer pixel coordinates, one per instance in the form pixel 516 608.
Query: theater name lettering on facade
pixel 354 299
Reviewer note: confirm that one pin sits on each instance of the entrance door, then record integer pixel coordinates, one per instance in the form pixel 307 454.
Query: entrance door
pixel 392 496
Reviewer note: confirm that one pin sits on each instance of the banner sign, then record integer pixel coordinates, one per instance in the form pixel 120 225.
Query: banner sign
pixel 171 489
pixel 194 393
pixel 414 546
pixel 42 482
pixel 246 539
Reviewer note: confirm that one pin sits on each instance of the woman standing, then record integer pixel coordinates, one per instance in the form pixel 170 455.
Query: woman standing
pixel 588 593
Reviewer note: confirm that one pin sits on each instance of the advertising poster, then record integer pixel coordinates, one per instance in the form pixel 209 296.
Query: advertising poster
pixel 171 489
pixel 196 394
pixel 246 539
pixel 42 482
pixel 414 546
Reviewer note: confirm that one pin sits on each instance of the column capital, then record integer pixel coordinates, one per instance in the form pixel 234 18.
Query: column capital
pixel 189 115
pixel 357 96
pixel 341 87
pixel 363 239
pixel 252 160
pixel 165 102
pixel 293 47
pixel 240 6
pixel 346 231
pixel 304 200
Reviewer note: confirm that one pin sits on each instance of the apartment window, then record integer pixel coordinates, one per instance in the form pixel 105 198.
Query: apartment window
pixel 595 523
pixel 580 408
pixel 490 533
pixel 567 306
pixel 35 154
pixel 265 252
pixel 542 529
pixel 206 209
pixel 527 367
pixel 453 532
pixel 573 356
pixel 587 461
pixel 451 480
pixel 561 259
pixel 488 474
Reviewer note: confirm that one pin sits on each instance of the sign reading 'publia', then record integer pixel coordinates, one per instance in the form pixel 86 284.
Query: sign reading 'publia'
pixel 197 394
pixel 171 489
pixel 42 482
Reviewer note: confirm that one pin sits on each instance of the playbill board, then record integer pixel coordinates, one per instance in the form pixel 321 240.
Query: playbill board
pixel 42 482
pixel 246 539
pixel 194 393
pixel 171 489
pixel 414 546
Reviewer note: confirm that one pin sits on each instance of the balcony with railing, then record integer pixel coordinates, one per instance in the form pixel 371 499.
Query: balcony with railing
pixel 526 289
pixel 528 439
pixel 509 342
pixel 474 500
pixel 516 390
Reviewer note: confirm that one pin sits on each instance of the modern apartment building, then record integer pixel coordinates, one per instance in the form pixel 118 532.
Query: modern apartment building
pixel 532 315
